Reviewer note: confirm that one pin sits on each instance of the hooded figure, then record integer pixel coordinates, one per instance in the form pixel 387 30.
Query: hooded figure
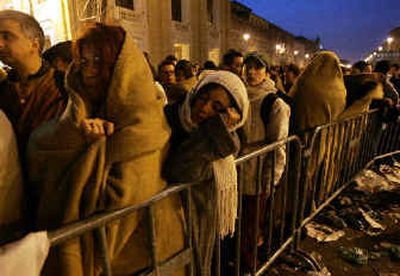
pixel 76 176
pixel 319 97
pixel 319 94
pixel 202 147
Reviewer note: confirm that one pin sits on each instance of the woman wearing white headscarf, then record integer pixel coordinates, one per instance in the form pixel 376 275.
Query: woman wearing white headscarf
pixel 202 147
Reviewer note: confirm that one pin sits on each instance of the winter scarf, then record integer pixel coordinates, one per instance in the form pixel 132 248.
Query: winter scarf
pixel 225 174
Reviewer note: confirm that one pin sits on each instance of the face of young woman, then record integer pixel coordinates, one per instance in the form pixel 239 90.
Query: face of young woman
pixel 254 74
pixel 95 74
pixel 210 103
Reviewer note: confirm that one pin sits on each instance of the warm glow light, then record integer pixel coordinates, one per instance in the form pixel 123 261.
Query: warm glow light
pixel 380 48
pixel 296 52
pixel 374 53
pixel 246 36
pixel 307 56
pixel 389 39
pixel 280 48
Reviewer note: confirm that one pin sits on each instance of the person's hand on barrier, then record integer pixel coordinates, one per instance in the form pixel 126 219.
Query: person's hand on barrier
pixel 96 128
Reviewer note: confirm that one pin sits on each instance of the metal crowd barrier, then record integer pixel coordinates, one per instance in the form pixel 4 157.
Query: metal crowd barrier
pixel 317 166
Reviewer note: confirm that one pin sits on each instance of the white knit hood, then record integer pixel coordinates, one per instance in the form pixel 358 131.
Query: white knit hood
pixel 231 82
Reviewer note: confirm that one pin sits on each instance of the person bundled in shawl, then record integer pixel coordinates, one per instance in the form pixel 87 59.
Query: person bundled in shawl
pixel 104 153
pixel 201 150
pixel 319 97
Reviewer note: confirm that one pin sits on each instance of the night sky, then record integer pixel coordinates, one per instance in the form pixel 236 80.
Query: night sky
pixel 351 28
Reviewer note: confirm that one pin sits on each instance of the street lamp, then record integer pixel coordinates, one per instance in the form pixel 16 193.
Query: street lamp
pixel 389 41
pixel 380 48
pixel 307 56
pixel 246 37
pixel 280 49
pixel 296 52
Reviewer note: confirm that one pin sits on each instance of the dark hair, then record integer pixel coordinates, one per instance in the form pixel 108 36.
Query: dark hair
pixel 164 63
pixel 229 56
pixel 358 86
pixel 396 65
pixel 294 69
pixel 171 58
pixel 209 65
pixel 382 66
pixel 258 61
pixel 29 26
pixel 185 67
pixel 360 65
pixel 61 50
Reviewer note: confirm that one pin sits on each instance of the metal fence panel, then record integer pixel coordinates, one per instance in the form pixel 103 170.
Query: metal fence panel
pixel 317 168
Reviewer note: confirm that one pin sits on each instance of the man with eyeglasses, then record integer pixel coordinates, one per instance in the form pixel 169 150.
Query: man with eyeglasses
pixel 166 74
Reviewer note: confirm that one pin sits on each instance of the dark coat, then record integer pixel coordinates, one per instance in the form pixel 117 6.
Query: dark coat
pixel 190 159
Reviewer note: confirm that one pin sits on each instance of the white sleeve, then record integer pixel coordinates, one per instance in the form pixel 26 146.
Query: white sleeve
pixel 278 129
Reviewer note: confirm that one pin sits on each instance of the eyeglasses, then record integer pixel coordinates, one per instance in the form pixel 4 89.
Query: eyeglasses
pixel 168 72
pixel 96 61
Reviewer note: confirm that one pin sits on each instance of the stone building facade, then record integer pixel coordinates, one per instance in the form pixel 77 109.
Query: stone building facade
pixel 198 30
pixel 389 50
pixel 190 29
pixel 249 32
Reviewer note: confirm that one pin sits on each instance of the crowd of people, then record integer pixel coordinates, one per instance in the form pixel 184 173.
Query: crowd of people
pixel 91 126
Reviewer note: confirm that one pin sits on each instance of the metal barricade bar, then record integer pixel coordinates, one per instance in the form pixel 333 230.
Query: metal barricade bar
pixel 352 146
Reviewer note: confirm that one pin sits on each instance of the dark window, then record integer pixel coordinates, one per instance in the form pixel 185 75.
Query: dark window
pixel 210 11
pixel 176 9
pixel 127 4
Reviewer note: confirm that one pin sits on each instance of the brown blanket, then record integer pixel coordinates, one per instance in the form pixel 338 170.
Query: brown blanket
pixel 75 178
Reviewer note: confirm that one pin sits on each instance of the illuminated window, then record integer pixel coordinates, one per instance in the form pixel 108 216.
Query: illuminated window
pixel 210 11
pixel 214 55
pixel 182 51
pixel 176 9
pixel 127 4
